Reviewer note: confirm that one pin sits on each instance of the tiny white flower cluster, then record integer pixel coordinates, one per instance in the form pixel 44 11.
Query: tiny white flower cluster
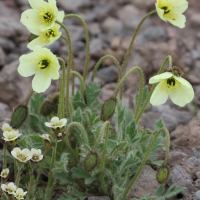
pixel 56 123
pixel 25 155
pixel 9 133
pixel 5 173
pixel 11 188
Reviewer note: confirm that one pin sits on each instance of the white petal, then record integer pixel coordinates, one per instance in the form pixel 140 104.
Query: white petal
pixel 60 16
pixel 6 127
pixel 160 94
pixel 160 12
pixel 26 152
pixel 34 151
pixel 55 120
pixel 38 42
pixel 48 124
pixel 36 4
pixel 158 78
pixel 39 151
pixel 34 31
pixel 16 151
pixel 40 157
pixel 182 81
pixel 6 134
pixel 63 121
pixel 3 187
pixel 181 94
pixel 179 20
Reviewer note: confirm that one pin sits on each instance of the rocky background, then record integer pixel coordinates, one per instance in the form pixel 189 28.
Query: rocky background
pixel 111 24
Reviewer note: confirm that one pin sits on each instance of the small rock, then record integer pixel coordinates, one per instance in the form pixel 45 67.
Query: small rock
pixel 12 57
pixel 176 157
pixel 94 29
pixel 5 111
pixel 99 198
pixel 6 44
pixel 108 74
pixel 197 196
pixel 193 162
pixel 3 58
pixel 195 153
pixel 198 174
pixel 111 23
pixel 96 45
pixel 115 43
pixel 195 19
pixel 107 91
pixel 180 177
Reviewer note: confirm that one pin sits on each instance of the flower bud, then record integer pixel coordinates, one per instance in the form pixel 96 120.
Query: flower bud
pixel 91 161
pixel 60 135
pixel 73 141
pixel 108 109
pixel 54 99
pixel 19 116
pixel 31 37
pixel 176 71
pixel 163 174
pixel 46 108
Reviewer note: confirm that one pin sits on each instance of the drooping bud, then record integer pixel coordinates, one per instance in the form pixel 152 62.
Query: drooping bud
pixel 54 99
pixel 91 161
pixel 73 141
pixel 163 174
pixel 19 116
pixel 46 108
pixel 108 109
pixel 31 37
pixel 176 71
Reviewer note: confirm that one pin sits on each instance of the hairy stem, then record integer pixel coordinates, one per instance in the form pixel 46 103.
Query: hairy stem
pixel 145 159
pixel 4 155
pixel 68 67
pixel 18 176
pixel 80 79
pixel 31 182
pixel 60 98
pixel 28 97
pixel 152 89
pixel 49 189
pixel 117 65
pixel 132 41
pixel 87 44
pixel 103 160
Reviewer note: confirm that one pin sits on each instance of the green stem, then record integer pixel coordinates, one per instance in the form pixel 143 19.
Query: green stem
pixel 31 181
pixel 87 44
pixel 60 98
pixel 68 67
pixel 4 155
pixel 49 189
pixel 80 79
pixel 78 125
pixel 28 97
pixel 117 65
pixel 15 168
pixel 18 176
pixel 141 85
pixel 103 161
pixel 145 159
pixel 152 89
pixel 132 41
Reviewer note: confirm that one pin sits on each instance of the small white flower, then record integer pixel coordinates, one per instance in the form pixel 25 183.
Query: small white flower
pixel 9 188
pixel 23 155
pixel 6 127
pixel 36 155
pixel 55 122
pixel 12 135
pixel 4 173
pixel 19 194
pixel 45 136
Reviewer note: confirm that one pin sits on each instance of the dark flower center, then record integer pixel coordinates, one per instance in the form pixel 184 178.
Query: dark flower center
pixel 47 16
pixel 50 33
pixel 43 64
pixel 171 82
pixel 166 9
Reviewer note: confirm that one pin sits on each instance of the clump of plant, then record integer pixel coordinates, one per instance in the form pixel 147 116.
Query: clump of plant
pixel 75 146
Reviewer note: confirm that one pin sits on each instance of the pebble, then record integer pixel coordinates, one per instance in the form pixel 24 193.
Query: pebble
pixel 195 153
pixel 193 162
pixel 197 196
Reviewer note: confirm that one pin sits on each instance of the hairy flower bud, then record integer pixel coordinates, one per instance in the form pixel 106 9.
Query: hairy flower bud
pixel 176 71
pixel 163 174
pixel 91 161
pixel 73 141
pixel 54 99
pixel 108 109
pixel 46 108
pixel 19 116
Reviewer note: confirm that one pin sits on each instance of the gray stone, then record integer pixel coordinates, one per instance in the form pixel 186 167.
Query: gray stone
pixel 108 74
pixel 54 47
pixel 3 57
pixel 6 44
pixel 12 57
pixel 198 174
pixel 99 198
pixel 195 153
pixel 197 196
pixel 111 23
pixel 5 111
pixel 180 177
pixel 96 45
pixel 146 183
pixel 193 162
pixel 176 157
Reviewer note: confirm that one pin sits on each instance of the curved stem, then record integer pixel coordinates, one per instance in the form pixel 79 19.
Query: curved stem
pixel 78 125
pixel 117 65
pixel 87 44
pixel 133 39
pixel 80 79
pixel 145 159
pixel 4 155
pixel 152 89
pixel 141 85
pixel 49 190
pixel 68 67
pixel 103 161
pixel 28 97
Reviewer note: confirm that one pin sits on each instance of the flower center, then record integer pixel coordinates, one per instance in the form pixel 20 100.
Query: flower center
pixel 35 157
pixel 50 33
pixel 46 16
pixel 166 9
pixel 171 82
pixel 22 157
pixel 43 64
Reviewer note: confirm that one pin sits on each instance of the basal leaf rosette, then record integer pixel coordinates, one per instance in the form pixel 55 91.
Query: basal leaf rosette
pixel 177 88
pixel 42 16
pixel 9 188
pixel 19 194
pixel 172 11
pixel 46 37
pixel 44 64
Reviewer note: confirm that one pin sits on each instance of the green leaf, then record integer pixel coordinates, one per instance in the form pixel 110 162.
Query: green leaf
pixel 61 166
pixel 62 177
pixel 173 191
pixel 80 173
pixel 128 116
pixel 36 101
pixel 92 92
pixel 78 101
pixel 131 133
pixel 35 123
pixel 36 141
pixel 144 95
pixel 160 191
pixel 159 125
pixel 120 113
pixel 77 117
